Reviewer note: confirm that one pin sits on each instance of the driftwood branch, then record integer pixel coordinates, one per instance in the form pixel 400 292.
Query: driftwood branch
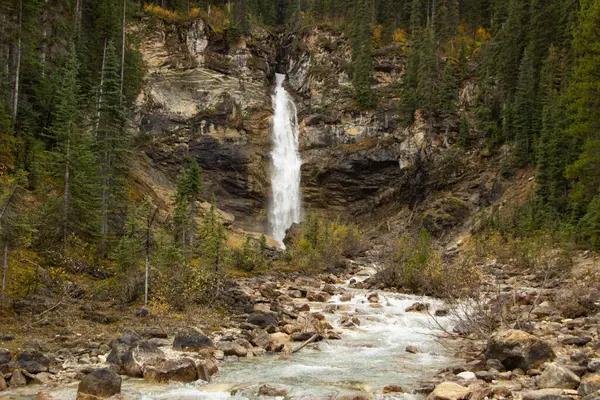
pixel 309 341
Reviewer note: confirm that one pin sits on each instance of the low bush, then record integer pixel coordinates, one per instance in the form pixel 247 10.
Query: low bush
pixel 415 265
pixel 544 255
pixel 252 257
pixel 321 243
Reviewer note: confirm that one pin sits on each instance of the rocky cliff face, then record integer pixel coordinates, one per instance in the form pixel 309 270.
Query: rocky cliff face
pixel 211 100
pixel 208 100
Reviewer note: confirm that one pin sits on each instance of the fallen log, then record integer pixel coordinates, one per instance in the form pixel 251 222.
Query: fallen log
pixel 309 341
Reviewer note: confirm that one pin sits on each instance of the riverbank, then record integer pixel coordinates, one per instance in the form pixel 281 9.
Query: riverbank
pixel 363 342
pixel 361 329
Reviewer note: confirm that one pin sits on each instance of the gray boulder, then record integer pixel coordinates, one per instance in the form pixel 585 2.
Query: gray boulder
pixel 193 340
pixel 17 379
pixel 233 349
pixel 558 376
pixel 590 384
pixel 33 361
pixel 131 355
pixel 100 383
pixel 518 349
pixel 172 371
pixel 594 365
pixel 262 320
pixel 5 356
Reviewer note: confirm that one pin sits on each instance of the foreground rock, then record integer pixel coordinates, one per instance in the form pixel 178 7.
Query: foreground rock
pixel 33 361
pixel 100 383
pixel 558 376
pixel 589 385
pixel 449 391
pixel 518 349
pixel 18 379
pixel 172 371
pixel 4 356
pixel 273 391
pixel 549 394
pixel 191 339
pixel 131 354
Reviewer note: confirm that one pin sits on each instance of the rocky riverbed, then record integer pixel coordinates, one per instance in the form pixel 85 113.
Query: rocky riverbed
pixel 359 343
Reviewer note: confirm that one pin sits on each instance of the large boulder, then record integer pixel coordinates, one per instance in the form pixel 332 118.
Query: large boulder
pixel 121 346
pixel 100 383
pixel 172 370
pixel 232 349
pixel 449 391
pixel 262 320
pixel 191 339
pixel 18 379
pixel 319 297
pixel 273 391
pixel 5 356
pixel 33 361
pixel 590 384
pixel 260 338
pixel 279 342
pixel 132 354
pixel 518 349
pixel 558 376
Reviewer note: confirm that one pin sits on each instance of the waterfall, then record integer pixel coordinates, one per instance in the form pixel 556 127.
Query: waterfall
pixel 286 162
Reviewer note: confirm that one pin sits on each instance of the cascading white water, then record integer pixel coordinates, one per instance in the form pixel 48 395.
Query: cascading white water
pixel 286 162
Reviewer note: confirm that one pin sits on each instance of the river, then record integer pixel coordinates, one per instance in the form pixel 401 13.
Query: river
pixel 366 359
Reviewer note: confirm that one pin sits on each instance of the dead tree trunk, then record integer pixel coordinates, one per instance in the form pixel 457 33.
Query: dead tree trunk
pixel 15 99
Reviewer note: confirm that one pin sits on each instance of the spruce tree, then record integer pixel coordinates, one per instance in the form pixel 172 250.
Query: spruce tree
pixel 509 46
pixel 71 161
pixel 584 96
pixel 525 106
pixel 361 55
pixel 189 187
pixel 241 17
pixel 464 134
pixel 447 98
pixel 427 85
pixel 112 144
pixel 212 239
pixel 547 162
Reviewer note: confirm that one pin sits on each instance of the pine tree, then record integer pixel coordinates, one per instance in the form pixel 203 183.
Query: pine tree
pixel 584 94
pixel 361 55
pixel 464 134
pixel 213 237
pixel 112 147
pixel 189 187
pixel 416 17
pixel 13 226
pixel 241 17
pixel 509 45
pixel 447 98
pixel 447 19
pixel 589 226
pixel 427 85
pixel 72 164
pixel 525 106
pixel 547 162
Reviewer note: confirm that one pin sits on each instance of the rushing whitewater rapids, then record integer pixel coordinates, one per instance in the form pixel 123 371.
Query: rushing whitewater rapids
pixel 366 359
pixel 285 170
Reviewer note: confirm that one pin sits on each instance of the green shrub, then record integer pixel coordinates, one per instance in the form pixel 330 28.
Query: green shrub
pixel 415 265
pixel 252 256
pixel 322 243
